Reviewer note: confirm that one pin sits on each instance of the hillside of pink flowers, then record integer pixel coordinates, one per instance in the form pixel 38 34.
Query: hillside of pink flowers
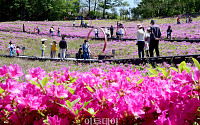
pixel 118 96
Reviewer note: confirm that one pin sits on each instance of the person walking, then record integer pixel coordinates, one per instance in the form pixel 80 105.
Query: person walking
pixel 86 51
pixel 96 33
pixel 59 32
pixel 111 31
pixel 51 31
pixel 54 49
pixel 63 48
pixel 10 47
pixel 43 48
pixel 140 41
pixel 24 28
pixel 169 31
pixel 154 38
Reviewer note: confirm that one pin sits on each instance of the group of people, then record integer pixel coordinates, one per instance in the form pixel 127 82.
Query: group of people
pixel 53 48
pixel 83 24
pixel 148 41
pixel 84 51
pixel 109 32
pixel 188 20
pixel 51 31
pixel 13 49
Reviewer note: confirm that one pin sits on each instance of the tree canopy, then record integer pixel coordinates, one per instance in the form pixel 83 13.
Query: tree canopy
pixel 155 8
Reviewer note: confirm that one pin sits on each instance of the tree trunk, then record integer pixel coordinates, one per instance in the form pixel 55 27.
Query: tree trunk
pixel 104 9
pixel 89 5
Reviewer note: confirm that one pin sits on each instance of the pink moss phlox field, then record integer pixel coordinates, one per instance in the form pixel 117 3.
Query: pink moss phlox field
pixel 65 98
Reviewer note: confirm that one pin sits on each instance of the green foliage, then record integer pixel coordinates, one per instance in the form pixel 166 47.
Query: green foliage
pixel 153 71
pixel 196 63
pixel 140 81
pixel 38 9
pixel 156 8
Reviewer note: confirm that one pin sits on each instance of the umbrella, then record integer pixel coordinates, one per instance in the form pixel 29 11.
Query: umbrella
pixel 43 39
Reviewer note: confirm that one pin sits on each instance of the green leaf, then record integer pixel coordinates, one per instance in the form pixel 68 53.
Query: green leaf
pixel 140 81
pixel 91 111
pixel 95 112
pixel 35 83
pixel 1 90
pixel 174 69
pixel 75 101
pixel 165 73
pixel 182 64
pixel 128 79
pixel 63 106
pixel 103 77
pixel 44 82
pixel 153 71
pixel 68 103
pixel 71 90
pixel 90 89
pixel 196 63
pixel 76 112
pixel 85 104
pixel 104 99
pixel 70 77
pixel 100 86
pixel 186 69
pixel 95 86
pixel 73 80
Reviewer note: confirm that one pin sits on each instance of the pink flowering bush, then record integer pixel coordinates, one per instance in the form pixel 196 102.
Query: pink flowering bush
pixel 164 97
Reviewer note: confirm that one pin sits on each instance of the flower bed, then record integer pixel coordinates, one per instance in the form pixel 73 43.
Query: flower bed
pixel 118 96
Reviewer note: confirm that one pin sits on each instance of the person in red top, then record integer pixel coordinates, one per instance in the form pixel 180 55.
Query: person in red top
pixel 178 20
pixel 190 19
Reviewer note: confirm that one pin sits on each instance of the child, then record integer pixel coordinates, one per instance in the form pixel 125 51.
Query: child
pixel 54 49
pixel 80 53
pixel 147 41
pixel 43 48
pixel 18 50
pixel 169 31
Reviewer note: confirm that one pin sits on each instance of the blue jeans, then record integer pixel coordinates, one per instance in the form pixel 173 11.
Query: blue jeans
pixel 96 35
pixel 86 55
pixel 42 53
pixel 51 33
pixel 10 52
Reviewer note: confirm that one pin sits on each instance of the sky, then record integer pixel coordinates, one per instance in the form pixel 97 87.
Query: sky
pixel 132 3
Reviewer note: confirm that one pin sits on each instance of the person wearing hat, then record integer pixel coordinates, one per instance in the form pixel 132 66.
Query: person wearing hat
pixel 140 41
pixel 154 38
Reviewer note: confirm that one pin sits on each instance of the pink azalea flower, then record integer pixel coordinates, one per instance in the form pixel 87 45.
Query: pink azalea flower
pixel 15 71
pixel 3 71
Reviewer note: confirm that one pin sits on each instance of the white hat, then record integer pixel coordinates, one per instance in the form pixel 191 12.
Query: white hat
pixel 140 26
